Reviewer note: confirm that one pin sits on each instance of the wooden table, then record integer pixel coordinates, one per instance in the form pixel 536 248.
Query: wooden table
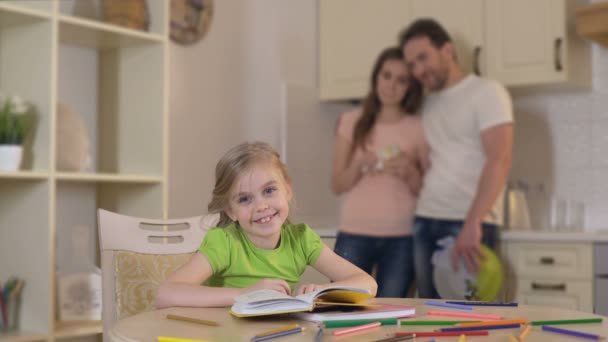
pixel 148 325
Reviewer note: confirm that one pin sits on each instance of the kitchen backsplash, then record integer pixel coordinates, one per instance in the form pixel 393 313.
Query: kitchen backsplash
pixel 561 142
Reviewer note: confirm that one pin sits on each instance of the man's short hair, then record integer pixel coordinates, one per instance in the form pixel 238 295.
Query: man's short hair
pixel 425 27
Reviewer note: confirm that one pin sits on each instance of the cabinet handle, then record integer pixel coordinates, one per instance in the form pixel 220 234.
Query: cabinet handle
pixel 476 53
pixel 557 52
pixel 549 287
pixel 547 261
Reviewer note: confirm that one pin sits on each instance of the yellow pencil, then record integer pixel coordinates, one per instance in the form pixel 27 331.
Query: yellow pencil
pixel 462 338
pixel 525 333
pixel 177 339
pixel 277 330
pixel 192 320
pixel 513 338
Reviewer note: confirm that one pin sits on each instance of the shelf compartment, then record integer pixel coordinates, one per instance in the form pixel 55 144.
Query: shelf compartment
pixel 93 34
pixel 24 221
pixel 107 89
pixel 25 70
pixel 93 11
pixel 77 329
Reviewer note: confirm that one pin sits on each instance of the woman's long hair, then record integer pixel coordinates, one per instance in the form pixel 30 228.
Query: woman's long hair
pixel 410 103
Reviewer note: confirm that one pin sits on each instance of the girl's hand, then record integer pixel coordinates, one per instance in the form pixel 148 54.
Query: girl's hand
pixel 279 285
pixel 307 288
pixel 400 166
pixel 366 161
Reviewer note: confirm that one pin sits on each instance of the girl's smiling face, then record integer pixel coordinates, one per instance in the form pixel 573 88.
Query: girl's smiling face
pixel 259 201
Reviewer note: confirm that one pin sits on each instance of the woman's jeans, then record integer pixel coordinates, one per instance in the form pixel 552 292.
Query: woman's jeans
pixel 427 232
pixel 393 258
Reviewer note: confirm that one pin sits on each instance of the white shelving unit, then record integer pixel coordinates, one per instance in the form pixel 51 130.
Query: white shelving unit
pixel 116 79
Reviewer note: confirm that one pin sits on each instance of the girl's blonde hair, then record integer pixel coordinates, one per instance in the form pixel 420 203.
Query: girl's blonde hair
pixel 236 161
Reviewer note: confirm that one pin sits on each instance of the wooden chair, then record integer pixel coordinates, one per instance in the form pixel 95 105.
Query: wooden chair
pixel 137 254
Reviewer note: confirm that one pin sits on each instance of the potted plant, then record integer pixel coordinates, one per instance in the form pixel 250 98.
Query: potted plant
pixel 15 125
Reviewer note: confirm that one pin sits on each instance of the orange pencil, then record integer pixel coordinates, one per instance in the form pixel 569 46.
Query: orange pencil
pixel 357 328
pixel 501 321
pixel 525 333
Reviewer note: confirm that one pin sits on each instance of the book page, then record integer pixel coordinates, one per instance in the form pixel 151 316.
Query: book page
pixel 260 296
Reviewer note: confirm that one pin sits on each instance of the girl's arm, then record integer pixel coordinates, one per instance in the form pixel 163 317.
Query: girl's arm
pixel 341 272
pixel 183 287
pixel 346 174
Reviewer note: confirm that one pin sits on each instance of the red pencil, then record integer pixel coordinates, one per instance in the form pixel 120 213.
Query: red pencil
pixel 356 328
pixel 442 333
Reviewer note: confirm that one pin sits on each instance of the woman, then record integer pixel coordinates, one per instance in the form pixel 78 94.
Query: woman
pixel 375 167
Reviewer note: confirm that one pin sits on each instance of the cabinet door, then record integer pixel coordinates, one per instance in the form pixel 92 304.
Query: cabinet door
pixel 526 41
pixel 351 35
pixel 463 19
pixel 572 295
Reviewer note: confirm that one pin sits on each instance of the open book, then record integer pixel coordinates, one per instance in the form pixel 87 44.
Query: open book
pixel 271 302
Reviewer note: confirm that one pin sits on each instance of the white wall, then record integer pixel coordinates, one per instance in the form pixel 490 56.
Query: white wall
pixel 206 108
pixel 561 140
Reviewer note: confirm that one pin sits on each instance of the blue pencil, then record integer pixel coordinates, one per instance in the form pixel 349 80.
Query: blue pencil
pixel 480 303
pixel 485 327
pixel 319 334
pixel 572 333
pixel 448 305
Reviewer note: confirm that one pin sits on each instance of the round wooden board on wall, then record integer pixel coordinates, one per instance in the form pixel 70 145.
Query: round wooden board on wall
pixel 190 20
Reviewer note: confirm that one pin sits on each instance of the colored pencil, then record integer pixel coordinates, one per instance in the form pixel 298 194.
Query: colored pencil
pixel 355 322
pixel 525 333
pixel 480 303
pixel 443 333
pixel 177 339
pixel 319 334
pixel 502 321
pixel 405 322
pixel 349 330
pixel 448 305
pixel 396 338
pixel 568 321
pixel 462 314
pixel 192 320
pixel 572 333
pixel 278 334
pixel 277 330
pixel 485 327
pixel 513 338
pixel 462 338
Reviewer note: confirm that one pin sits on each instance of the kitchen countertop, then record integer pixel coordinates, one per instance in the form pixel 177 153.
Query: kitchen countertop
pixel 516 235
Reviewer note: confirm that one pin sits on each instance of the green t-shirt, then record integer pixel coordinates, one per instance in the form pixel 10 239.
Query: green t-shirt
pixel 238 263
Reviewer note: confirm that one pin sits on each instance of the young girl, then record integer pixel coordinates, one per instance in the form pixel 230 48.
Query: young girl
pixel 254 247
pixel 376 167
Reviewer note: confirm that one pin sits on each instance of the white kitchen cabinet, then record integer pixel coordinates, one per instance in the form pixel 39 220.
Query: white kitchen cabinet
pixel 533 43
pixel 518 42
pixel 556 274
pixel 351 35
pixel 464 21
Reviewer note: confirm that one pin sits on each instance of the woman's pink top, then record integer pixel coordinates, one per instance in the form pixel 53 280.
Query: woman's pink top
pixel 380 204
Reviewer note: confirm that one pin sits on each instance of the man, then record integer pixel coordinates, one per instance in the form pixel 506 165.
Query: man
pixel 468 123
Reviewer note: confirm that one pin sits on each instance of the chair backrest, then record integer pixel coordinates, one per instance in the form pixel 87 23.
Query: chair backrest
pixel 137 254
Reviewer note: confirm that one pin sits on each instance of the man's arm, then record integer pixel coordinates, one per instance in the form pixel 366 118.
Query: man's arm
pixel 497 143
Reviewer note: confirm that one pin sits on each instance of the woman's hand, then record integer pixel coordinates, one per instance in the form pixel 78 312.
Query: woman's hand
pixel 279 285
pixel 366 162
pixel 307 288
pixel 401 166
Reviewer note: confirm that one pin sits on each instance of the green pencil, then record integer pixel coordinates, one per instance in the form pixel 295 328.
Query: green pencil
pixel 355 322
pixel 568 321
pixel 435 322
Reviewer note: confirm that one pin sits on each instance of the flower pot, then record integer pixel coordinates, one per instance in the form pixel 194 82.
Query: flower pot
pixel 10 157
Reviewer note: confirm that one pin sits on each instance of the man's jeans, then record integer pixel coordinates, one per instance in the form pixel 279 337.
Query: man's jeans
pixel 393 258
pixel 426 234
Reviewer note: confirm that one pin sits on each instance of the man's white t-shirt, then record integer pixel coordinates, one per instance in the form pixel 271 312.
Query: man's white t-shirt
pixel 453 120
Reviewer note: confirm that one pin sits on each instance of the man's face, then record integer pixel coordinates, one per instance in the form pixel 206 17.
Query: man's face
pixel 427 63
